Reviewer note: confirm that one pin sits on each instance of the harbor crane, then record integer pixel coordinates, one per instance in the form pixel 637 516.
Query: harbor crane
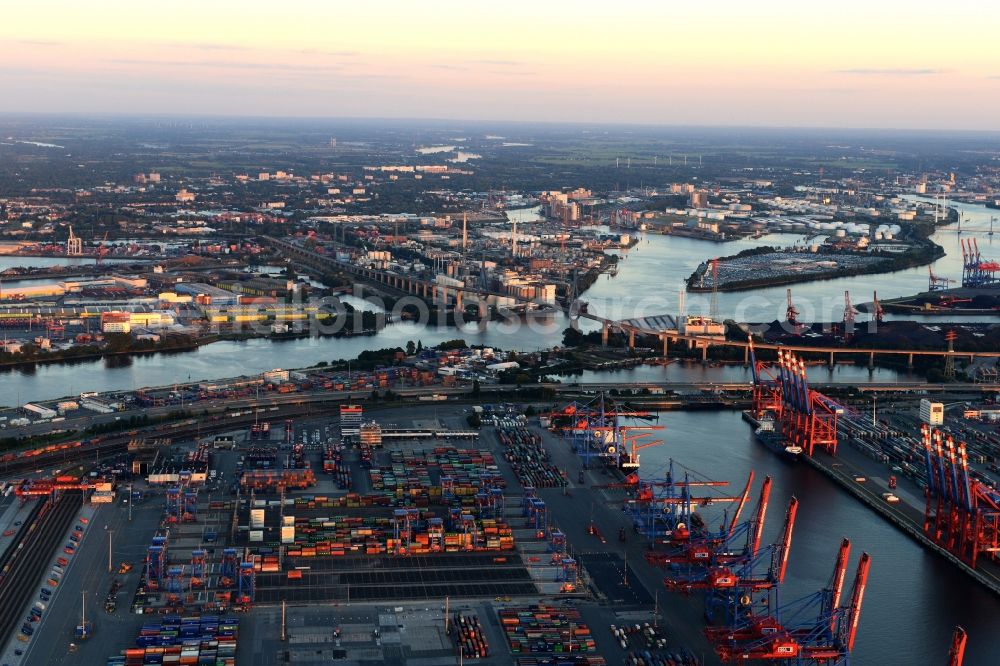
pixel 956 654
pixel 878 314
pixel 755 624
pixel 975 271
pixel 812 630
pixel 849 314
pixel 961 514
pixel 767 401
pixel 791 313
pixel 808 417
pixel 717 548
pixel 937 282
pixel 102 250
pixel 664 511
pixel 744 577
pixel 595 430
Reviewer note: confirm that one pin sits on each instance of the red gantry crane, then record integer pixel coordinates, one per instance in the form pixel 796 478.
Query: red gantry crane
pixel 815 629
pixel 975 271
pixel 767 402
pixel 745 576
pixel 804 417
pixel 878 314
pixel 961 514
pixel 808 417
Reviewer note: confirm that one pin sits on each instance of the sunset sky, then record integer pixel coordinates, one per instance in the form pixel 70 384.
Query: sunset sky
pixel 877 63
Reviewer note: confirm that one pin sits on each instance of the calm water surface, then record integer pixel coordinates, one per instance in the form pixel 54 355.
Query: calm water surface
pixel 914 599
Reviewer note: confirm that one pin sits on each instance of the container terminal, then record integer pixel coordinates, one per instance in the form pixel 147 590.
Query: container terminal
pixel 932 493
pixel 401 536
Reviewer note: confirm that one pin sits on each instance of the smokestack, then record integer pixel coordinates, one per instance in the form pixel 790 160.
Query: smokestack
pixel 513 239
pixel 465 231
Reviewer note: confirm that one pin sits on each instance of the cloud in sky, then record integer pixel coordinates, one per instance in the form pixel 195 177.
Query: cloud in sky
pixel 225 64
pixel 37 42
pixel 891 71
pixel 501 63
pixel 215 47
pixel 339 54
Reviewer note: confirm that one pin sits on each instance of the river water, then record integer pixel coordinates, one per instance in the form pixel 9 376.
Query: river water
pixel 648 283
pixel 652 277
pixel 8 261
pixel 914 598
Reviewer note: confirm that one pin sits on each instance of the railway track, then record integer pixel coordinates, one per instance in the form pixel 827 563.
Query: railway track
pixel 22 532
pixel 30 561
pixel 119 443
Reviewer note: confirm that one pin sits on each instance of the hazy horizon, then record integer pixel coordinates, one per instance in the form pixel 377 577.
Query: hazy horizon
pixel 778 64
pixel 484 122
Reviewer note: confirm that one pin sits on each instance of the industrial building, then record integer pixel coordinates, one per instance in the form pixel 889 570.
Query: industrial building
pixel 931 413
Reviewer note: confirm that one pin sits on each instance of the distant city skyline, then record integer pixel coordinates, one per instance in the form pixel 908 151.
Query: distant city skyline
pixel 886 64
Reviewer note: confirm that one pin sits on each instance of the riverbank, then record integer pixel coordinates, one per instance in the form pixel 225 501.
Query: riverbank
pixel 190 344
pixel 94 354
pixel 904 517
pixel 959 301
pixel 768 267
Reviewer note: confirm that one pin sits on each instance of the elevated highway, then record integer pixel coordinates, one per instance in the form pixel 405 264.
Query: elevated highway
pixel 703 342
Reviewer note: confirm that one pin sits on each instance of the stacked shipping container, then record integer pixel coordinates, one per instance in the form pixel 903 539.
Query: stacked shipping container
pixel 201 641
pixel 540 628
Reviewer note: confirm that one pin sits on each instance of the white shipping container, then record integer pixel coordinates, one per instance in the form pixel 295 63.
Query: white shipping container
pixel 256 535
pixel 256 518
pixel 163 478
pixel 96 406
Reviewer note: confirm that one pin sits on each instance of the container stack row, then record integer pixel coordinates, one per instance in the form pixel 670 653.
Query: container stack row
pixel 470 636
pixel 543 629
pixel 342 535
pixel 531 463
pixel 188 641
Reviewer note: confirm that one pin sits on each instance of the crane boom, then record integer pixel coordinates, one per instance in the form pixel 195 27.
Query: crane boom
pixel 785 545
pixel 839 576
pixel 743 502
pixel 956 655
pixel 857 598
pixel 758 533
